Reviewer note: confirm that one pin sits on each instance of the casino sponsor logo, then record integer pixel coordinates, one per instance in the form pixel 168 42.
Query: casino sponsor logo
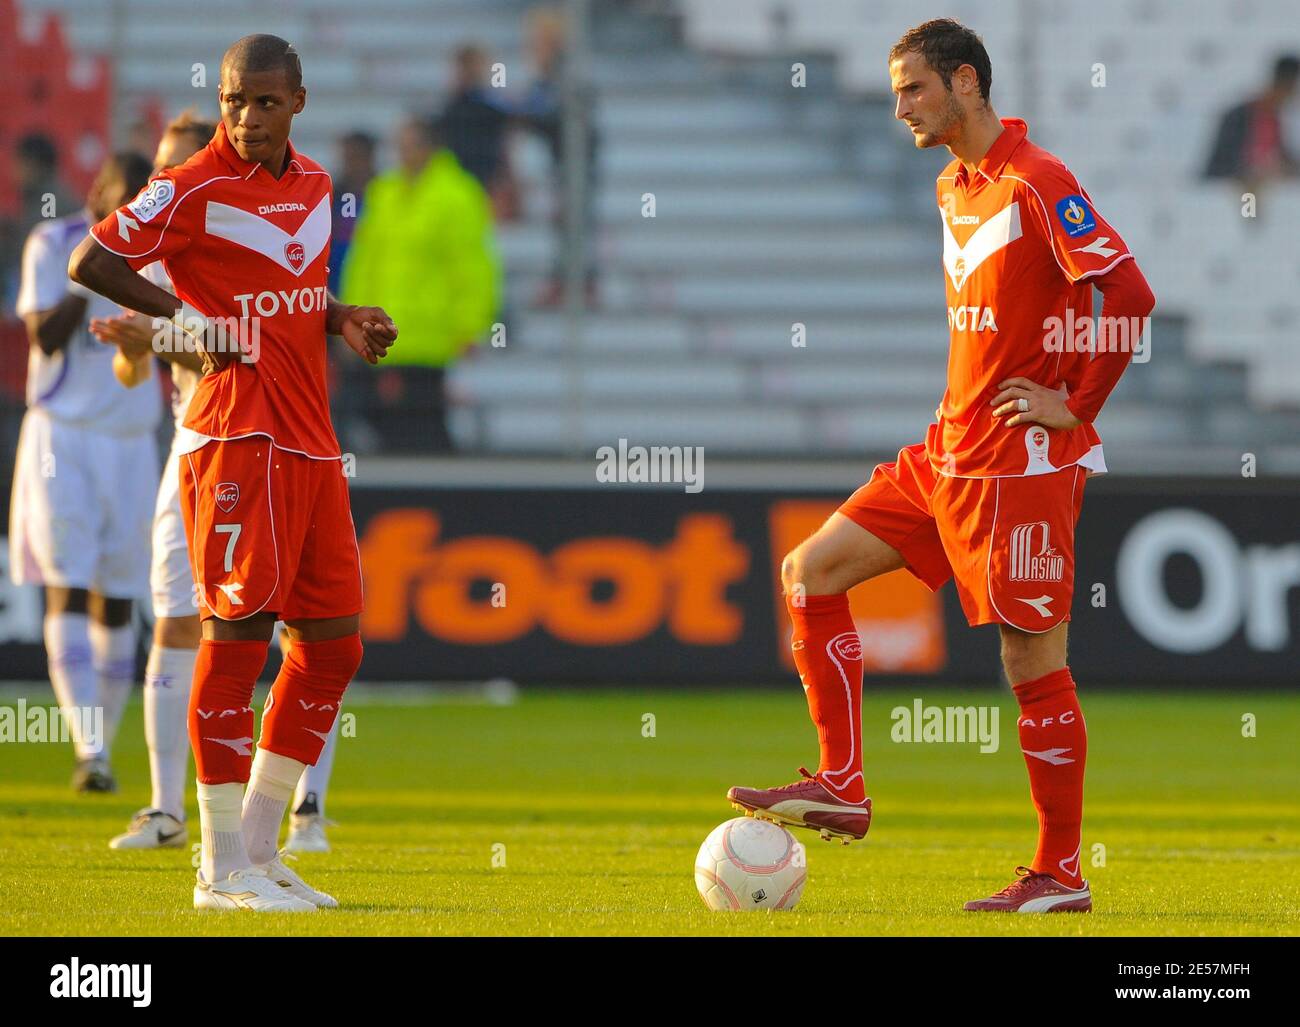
pixel 1075 215
pixel 1032 556
pixel 226 495
pixel 152 200
pixel 970 319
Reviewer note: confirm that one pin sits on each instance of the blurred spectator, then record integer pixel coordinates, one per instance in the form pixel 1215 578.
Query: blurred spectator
pixel 1250 145
pixel 473 127
pixel 543 111
pixel 423 250
pixel 36 173
pixel 356 169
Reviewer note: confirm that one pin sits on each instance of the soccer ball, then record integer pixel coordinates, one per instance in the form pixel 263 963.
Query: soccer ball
pixel 750 864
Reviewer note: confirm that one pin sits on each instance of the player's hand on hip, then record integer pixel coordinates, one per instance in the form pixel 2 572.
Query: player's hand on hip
pixel 1024 402
pixel 369 332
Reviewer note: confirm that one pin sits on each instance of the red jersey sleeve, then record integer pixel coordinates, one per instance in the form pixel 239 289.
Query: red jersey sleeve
pixel 159 223
pixel 1061 213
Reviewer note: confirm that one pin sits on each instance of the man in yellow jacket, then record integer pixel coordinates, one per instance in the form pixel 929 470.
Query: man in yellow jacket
pixel 423 249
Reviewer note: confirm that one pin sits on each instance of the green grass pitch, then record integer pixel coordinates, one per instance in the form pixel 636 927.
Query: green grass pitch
pixel 599 824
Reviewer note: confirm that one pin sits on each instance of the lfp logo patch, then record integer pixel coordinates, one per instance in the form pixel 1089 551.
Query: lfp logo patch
pixel 1075 215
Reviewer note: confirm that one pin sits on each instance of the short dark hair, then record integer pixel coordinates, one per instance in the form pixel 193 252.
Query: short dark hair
pixel 134 169
pixel 1286 69
pixel 946 45
pixel 38 149
pixel 263 52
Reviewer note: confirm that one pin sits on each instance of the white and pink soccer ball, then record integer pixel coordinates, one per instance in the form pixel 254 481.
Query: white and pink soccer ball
pixel 750 864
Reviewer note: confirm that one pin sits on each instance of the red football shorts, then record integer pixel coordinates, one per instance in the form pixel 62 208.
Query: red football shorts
pixel 1007 542
pixel 269 531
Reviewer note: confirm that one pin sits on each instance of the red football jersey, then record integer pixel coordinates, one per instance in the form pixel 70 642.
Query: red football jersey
pixel 239 243
pixel 1021 242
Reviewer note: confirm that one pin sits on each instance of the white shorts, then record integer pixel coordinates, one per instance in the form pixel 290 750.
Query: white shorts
pixel 170 578
pixel 80 512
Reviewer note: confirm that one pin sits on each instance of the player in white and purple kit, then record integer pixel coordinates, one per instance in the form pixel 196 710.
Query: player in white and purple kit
pixel 83 481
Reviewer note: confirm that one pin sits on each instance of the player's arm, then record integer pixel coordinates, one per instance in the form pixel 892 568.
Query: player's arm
pixel 51 329
pixel 135 334
pixel 109 274
pixel 51 309
pixel 1127 299
pixel 368 331
pixel 1087 250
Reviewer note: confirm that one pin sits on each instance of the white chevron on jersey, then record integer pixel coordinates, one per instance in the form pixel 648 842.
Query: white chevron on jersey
pixel 1097 246
pixel 249 230
pixel 1002 229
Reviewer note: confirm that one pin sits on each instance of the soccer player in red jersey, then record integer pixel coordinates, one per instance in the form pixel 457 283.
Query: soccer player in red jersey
pixel 243 230
pixel 991 497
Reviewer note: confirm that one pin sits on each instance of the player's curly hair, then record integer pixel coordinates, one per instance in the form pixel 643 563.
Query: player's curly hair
pixel 946 45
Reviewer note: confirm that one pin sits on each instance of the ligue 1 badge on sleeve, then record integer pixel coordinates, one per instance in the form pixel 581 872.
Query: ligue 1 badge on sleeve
pixel 156 195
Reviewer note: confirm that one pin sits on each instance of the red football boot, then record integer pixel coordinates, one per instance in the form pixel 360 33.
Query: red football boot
pixel 806 803
pixel 1035 892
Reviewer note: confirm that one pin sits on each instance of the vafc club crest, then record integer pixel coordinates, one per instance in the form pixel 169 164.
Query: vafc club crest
pixel 1037 445
pixel 959 272
pixel 295 254
pixel 226 496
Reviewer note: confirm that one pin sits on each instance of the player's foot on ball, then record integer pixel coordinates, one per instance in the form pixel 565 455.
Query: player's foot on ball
pixel 1035 892
pixel 806 803
pixel 294 885
pixel 152 829
pixel 93 775
pixel 307 833
pixel 249 888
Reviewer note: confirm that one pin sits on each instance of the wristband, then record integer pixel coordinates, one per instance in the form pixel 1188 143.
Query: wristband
pixel 191 323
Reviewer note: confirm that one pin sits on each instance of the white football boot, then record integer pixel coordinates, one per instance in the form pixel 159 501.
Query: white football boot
pixel 307 833
pixel 294 885
pixel 249 888
pixel 152 829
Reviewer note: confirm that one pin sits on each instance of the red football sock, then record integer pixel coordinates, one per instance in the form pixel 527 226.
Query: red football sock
pixel 305 698
pixel 1054 739
pixel 828 653
pixel 221 717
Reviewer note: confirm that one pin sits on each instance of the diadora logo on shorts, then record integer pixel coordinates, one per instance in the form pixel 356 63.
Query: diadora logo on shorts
pixel 1032 555
pixel 227 495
